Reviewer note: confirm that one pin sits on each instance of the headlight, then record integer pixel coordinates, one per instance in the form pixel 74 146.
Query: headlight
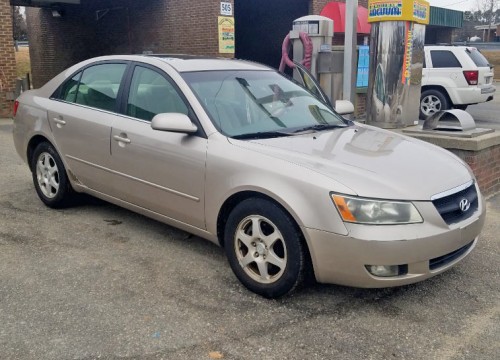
pixel 371 211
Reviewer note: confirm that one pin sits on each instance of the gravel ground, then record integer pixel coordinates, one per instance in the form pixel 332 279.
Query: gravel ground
pixel 97 281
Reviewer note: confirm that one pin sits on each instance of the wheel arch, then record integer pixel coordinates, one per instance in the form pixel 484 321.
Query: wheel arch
pixel 236 198
pixel 439 88
pixel 32 144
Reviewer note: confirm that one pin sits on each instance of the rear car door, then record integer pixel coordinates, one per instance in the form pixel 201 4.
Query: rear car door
pixel 81 115
pixel 445 65
pixel 160 171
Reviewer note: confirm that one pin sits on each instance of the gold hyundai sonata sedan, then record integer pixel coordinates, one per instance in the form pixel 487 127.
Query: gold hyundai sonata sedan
pixel 238 154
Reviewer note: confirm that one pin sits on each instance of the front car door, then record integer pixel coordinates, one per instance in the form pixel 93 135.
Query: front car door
pixel 163 172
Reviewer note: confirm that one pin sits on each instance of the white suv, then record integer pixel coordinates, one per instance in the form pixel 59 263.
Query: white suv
pixel 454 77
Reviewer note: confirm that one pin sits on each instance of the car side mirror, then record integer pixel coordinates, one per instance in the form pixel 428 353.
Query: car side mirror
pixel 173 122
pixel 344 107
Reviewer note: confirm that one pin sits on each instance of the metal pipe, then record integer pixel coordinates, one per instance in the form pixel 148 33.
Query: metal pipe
pixel 350 58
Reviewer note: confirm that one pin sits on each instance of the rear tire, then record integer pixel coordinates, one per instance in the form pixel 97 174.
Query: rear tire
pixel 432 101
pixel 50 178
pixel 264 247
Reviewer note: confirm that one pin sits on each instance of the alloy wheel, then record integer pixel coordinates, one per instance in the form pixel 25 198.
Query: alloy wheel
pixel 430 105
pixel 47 174
pixel 260 249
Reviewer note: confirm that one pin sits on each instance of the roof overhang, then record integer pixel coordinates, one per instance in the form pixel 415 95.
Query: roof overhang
pixel 487 27
pixel 439 17
pixel 336 11
pixel 42 3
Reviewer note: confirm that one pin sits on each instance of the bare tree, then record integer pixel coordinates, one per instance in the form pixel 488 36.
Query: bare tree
pixel 19 24
pixel 489 9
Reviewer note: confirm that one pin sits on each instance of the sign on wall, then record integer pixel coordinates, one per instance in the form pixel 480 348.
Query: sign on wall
pixel 405 74
pixel 399 10
pixel 226 8
pixel 363 66
pixel 226 35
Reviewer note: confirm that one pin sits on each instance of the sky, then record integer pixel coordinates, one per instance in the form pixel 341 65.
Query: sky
pixel 462 5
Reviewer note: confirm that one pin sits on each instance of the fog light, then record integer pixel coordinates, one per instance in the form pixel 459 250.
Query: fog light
pixel 385 270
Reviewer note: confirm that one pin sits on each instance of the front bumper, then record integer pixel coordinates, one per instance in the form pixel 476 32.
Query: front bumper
pixel 339 259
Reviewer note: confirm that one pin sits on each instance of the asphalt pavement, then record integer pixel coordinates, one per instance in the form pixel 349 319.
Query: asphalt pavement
pixel 99 282
pixel 487 115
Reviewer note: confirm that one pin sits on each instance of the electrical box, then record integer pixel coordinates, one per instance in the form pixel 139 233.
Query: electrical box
pixel 327 66
pixel 330 62
pixel 314 25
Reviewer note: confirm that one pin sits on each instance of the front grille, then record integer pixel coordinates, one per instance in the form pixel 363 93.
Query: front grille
pixel 448 258
pixel 449 206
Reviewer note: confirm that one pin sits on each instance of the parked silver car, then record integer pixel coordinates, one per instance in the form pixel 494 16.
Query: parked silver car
pixel 238 154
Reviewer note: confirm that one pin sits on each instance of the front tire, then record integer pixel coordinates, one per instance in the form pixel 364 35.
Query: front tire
pixel 432 101
pixel 264 247
pixel 49 177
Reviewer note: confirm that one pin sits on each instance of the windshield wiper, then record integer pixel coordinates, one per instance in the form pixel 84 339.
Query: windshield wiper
pixel 320 127
pixel 261 135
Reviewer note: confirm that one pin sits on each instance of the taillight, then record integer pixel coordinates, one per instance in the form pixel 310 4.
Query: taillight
pixel 16 106
pixel 471 76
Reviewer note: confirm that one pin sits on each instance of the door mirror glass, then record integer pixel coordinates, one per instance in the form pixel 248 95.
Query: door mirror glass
pixel 173 122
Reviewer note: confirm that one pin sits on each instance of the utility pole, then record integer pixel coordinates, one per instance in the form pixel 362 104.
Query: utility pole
pixel 490 20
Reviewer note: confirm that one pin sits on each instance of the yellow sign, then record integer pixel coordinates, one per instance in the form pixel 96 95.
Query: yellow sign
pixel 226 35
pixel 399 10
pixel 405 77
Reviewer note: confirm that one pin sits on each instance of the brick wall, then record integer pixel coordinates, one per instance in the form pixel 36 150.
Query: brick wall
pixel 193 30
pixel 7 58
pixel 486 166
pixel 87 30
pixel 360 105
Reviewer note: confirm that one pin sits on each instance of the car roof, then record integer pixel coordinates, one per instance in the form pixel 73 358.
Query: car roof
pixel 186 63
pixel 449 47
pixel 183 63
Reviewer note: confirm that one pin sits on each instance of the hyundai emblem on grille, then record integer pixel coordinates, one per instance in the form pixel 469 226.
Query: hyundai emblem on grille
pixel 464 205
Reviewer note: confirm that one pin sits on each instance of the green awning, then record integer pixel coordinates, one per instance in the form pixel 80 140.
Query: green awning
pixel 446 17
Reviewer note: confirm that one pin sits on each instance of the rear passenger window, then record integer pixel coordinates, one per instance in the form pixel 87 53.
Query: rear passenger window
pixel 444 59
pixel 68 91
pixel 152 94
pixel 99 86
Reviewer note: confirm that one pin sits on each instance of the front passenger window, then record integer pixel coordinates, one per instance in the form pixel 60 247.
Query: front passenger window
pixel 152 94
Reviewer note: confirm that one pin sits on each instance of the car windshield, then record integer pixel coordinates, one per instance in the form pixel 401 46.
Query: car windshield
pixel 246 104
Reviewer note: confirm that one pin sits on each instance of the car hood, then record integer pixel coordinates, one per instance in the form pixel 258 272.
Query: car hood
pixel 372 162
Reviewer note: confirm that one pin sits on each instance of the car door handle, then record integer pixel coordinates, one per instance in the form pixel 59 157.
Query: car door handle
pixel 121 139
pixel 59 121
